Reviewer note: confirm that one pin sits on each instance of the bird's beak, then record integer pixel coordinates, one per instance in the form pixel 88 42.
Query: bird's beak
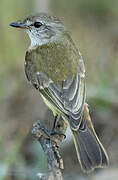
pixel 19 24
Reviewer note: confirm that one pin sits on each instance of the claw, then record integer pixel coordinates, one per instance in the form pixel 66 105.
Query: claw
pixel 58 133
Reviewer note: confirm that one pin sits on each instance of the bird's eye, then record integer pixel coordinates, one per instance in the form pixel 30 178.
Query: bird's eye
pixel 37 24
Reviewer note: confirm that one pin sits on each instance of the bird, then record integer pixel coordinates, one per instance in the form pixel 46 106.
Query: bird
pixel 55 67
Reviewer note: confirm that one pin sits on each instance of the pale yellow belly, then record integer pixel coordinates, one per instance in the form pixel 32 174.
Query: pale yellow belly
pixel 53 108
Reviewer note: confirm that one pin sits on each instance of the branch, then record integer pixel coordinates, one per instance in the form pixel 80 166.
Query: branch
pixel 50 145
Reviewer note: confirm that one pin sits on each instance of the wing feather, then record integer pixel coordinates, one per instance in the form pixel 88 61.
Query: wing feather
pixel 68 98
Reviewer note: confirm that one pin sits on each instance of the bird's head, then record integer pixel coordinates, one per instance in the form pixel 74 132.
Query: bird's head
pixel 42 28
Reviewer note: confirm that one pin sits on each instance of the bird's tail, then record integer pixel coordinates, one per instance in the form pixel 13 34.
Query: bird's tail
pixel 90 152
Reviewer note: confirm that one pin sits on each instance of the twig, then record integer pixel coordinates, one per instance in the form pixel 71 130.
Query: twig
pixel 50 144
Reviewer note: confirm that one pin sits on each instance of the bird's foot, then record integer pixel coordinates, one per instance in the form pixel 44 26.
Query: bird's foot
pixel 39 130
pixel 50 144
pixel 57 133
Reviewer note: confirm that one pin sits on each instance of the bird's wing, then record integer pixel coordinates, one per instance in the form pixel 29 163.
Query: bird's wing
pixel 74 99
pixel 68 98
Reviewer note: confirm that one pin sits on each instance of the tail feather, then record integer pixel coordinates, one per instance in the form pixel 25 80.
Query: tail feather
pixel 91 154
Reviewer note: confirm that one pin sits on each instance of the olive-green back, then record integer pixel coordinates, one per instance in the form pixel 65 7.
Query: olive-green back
pixel 59 60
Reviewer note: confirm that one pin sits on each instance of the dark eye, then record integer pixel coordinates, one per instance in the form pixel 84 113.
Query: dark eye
pixel 37 24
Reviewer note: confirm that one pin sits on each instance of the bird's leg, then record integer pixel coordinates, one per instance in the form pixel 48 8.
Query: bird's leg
pixel 48 134
pixel 55 129
pixel 54 124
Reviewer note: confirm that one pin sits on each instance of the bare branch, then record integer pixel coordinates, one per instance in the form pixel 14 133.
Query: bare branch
pixel 50 145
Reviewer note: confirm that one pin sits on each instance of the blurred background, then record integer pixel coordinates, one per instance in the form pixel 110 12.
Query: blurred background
pixel 93 25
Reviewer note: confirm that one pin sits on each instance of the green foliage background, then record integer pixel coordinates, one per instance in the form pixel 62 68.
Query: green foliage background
pixel 94 28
